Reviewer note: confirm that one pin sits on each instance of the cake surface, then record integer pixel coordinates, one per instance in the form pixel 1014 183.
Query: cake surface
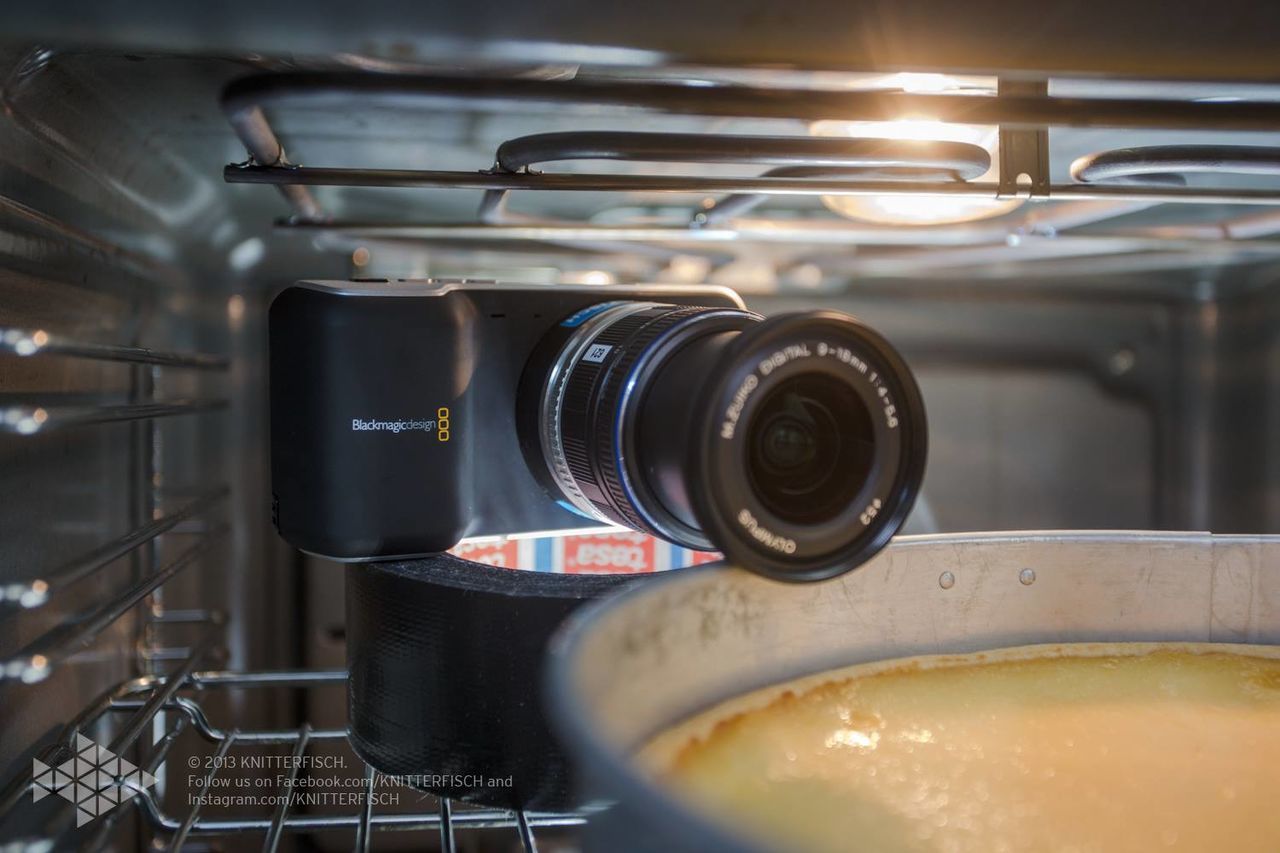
pixel 1067 747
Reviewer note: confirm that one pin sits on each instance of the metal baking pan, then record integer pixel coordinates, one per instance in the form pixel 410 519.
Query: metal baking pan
pixel 637 662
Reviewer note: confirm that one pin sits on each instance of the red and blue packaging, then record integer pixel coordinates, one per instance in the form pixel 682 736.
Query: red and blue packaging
pixel 620 552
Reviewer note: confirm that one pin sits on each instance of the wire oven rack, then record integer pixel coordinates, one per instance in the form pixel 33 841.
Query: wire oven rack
pixel 1085 217
pixel 1022 110
pixel 167 707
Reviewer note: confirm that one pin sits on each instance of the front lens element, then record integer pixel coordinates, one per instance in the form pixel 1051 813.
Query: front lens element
pixel 811 448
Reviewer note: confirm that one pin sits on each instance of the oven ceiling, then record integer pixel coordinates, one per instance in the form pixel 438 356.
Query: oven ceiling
pixel 1200 39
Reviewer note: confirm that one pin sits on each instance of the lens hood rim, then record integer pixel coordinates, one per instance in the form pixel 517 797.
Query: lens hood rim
pixel 717 511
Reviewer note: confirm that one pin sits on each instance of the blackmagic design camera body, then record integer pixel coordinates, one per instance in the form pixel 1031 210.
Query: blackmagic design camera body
pixel 408 415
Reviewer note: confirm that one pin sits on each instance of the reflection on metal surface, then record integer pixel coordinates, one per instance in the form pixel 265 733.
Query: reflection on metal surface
pixel 187 194
pixel 29 342
pixel 1166 164
pixel 906 210
pixel 914 158
pixel 38 658
pixel 147 266
pixel 962 157
pixel 36 592
pixel 31 418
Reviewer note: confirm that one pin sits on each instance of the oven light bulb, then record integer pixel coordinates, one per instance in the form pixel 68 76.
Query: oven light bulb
pixel 910 209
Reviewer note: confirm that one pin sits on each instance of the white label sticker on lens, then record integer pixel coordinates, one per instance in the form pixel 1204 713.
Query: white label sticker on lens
pixel 596 353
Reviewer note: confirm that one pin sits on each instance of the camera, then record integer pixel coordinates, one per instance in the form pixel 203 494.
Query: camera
pixel 408 415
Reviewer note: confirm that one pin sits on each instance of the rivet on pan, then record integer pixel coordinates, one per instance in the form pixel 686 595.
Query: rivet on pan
pixel 1027 576
pixel 946 580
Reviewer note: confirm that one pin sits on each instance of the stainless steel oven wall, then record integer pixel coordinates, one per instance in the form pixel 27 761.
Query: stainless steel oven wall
pixel 1242 450
pixel 131 371
pixel 1144 402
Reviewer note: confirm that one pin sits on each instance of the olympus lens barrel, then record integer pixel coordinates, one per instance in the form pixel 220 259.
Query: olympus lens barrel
pixel 795 445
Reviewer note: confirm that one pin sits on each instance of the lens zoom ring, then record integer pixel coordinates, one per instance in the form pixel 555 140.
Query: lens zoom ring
pixel 593 448
pixel 605 426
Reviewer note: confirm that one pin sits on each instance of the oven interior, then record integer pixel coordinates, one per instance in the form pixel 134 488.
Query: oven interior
pixel 1101 353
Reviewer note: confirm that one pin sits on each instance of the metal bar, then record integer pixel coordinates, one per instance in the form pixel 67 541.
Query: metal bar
pixel 363 833
pixel 185 617
pixel 533 231
pixel 106 825
pixel 107 701
pixel 250 124
pixel 213 734
pixel 276 830
pixel 28 342
pixel 485 819
pixel 136 725
pixel 189 708
pixel 1250 227
pixel 493 207
pixel 481 819
pixel 446 827
pixel 830 232
pixel 1041 249
pixel 169 687
pixel 964 159
pixel 37 591
pixel 1079 267
pixel 146 486
pixel 267 678
pixel 189 821
pixel 36 660
pixel 527 841
pixel 1058 216
pixel 21 784
pixel 340 90
pixel 155 655
pixel 291 736
pixel 31 418
pixel 1165 161
pixel 145 266
pixel 706 184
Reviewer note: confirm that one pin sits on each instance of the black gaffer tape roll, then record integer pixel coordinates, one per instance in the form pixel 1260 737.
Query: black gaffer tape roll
pixel 446 661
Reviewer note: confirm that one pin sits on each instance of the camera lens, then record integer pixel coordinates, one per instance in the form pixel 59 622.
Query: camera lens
pixel 795 445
